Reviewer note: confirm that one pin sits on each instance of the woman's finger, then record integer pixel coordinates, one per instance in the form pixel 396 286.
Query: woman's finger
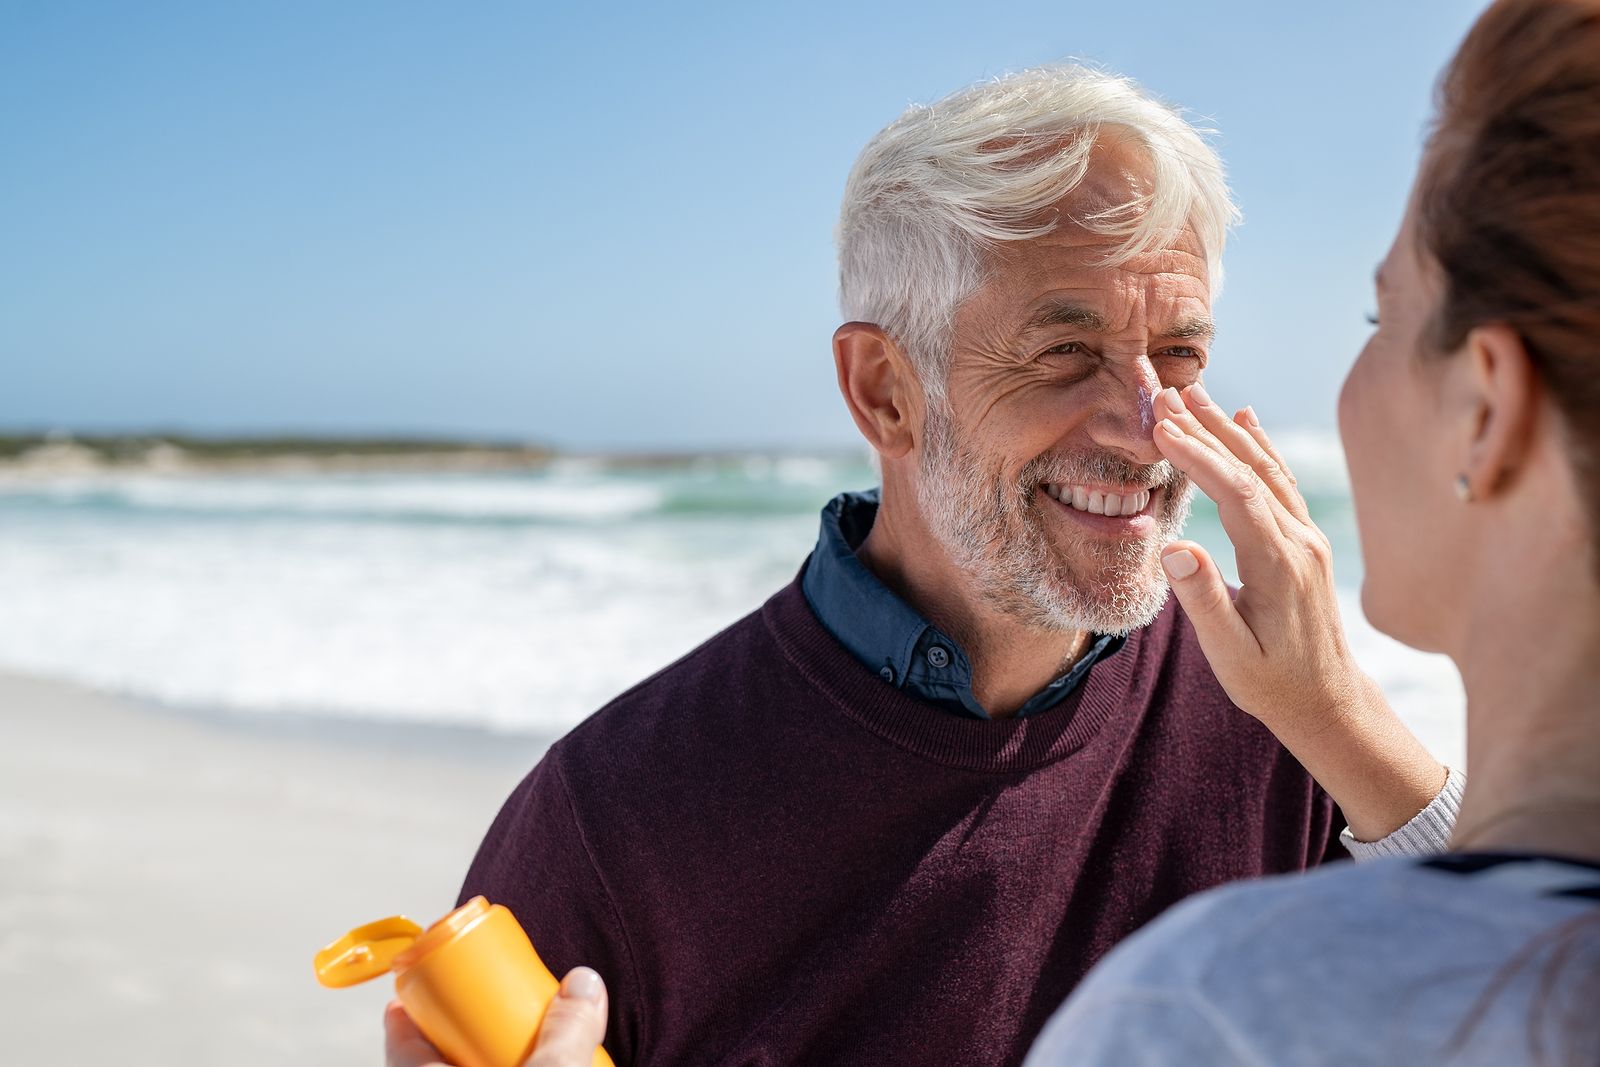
pixel 1248 447
pixel 1246 418
pixel 1170 404
pixel 1225 638
pixel 574 1024
pixel 1249 514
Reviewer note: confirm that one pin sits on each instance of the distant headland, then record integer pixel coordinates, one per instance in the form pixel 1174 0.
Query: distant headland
pixel 61 453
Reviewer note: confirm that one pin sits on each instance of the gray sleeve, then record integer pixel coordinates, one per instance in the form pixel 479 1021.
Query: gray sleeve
pixel 1427 834
pixel 1140 1027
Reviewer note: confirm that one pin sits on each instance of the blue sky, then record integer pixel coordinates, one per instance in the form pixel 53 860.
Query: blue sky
pixel 604 226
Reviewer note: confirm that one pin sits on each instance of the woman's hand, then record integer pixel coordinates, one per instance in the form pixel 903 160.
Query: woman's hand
pixel 1278 647
pixel 573 1027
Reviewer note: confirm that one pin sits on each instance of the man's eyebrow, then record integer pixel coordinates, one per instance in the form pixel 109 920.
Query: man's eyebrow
pixel 1198 328
pixel 1064 314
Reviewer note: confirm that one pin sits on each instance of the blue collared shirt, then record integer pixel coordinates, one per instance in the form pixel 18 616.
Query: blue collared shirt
pixel 888 635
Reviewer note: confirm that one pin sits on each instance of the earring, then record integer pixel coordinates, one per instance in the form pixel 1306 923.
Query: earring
pixel 1463 489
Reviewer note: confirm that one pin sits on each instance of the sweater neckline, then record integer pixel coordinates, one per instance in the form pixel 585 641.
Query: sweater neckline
pixel 993 745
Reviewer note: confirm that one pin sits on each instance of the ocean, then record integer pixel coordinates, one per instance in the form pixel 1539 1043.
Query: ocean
pixel 516 602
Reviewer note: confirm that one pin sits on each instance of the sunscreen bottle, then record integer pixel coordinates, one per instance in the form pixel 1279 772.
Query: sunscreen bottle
pixel 471 982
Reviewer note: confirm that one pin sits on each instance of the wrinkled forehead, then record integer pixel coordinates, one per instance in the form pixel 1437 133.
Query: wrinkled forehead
pixel 1087 231
pixel 1073 266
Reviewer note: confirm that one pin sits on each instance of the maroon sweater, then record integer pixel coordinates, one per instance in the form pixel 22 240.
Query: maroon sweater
pixel 775 857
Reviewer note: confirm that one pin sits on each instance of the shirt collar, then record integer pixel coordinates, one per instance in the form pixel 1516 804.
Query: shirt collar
pixel 889 635
pixel 878 628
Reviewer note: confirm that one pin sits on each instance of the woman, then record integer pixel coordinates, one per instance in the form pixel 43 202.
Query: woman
pixel 1472 429
pixel 1471 424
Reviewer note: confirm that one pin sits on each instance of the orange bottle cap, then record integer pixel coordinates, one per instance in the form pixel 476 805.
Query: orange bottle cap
pixel 365 952
pixel 446 929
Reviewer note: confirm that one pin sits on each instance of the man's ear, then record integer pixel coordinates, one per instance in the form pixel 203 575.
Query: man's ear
pixel 879 386
pixel 1502 388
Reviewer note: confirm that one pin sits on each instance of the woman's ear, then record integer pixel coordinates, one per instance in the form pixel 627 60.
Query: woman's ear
pixel 1502 387
pixel 879 386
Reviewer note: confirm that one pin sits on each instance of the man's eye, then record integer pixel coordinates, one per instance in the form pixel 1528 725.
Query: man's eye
pixel 1185 351
pixel 1067 348
pixel 1372 319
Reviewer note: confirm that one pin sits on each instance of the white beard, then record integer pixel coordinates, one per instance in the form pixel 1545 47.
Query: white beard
pixel 994 532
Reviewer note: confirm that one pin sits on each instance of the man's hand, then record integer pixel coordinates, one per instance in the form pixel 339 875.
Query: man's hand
pixel 573 1027
pixel 1278 648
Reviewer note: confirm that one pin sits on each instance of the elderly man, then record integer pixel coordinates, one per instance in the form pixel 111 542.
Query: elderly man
pixel 896 813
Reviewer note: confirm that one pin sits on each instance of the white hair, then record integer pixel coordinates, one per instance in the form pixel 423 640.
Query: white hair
pixel 941 183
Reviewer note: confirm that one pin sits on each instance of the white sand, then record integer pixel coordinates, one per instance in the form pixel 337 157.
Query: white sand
pixel 165 879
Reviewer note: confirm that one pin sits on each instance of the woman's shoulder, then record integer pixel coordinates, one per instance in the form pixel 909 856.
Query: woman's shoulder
pixel 1307 965
pixel 1356 904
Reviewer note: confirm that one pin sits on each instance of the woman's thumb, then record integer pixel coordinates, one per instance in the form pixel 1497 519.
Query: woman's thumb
pixel 1198 585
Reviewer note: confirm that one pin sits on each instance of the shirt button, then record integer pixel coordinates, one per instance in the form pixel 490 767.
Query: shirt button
pixel 938 657
pixel 887 674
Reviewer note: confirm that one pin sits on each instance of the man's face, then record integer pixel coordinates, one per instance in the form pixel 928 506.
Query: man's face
pixel 1041 479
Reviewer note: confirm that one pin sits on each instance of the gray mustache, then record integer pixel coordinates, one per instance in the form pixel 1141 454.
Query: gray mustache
pixel 1101 468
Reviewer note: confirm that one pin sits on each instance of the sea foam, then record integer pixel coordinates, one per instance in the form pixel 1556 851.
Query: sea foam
pixel 511 601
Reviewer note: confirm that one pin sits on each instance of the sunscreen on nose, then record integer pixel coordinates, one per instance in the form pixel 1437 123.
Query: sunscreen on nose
pixel 1147 411
pixel 472 981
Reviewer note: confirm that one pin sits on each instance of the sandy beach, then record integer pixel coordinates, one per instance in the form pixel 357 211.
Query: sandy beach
pixel 165 878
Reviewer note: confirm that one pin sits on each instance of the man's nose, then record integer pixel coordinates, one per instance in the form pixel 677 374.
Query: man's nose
pixel 1127 422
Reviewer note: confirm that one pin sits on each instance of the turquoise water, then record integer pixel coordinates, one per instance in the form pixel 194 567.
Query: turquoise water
pixel 514 601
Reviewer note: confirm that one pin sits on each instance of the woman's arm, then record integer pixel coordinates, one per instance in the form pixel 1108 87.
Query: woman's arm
pixel 1278 647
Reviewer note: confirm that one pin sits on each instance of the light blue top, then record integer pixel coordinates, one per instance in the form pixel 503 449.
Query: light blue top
pixel 1466 960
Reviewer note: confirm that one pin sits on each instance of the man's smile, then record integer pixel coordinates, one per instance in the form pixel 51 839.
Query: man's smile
pixel 1125 511
pixel 1099 500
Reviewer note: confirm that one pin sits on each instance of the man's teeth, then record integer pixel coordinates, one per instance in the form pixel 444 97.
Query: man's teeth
pixel 1096 502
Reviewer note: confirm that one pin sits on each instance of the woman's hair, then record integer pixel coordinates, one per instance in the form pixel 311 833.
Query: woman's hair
pixel 1509 202
pixel 1562 1029
pixel 942 184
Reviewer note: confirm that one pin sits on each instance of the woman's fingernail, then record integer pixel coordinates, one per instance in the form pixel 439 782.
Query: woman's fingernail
pixel 1197 393
pixel 581 984
pixel 1250 413
pixel 1180 564
pixel 1173 398
pixel 1172 428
